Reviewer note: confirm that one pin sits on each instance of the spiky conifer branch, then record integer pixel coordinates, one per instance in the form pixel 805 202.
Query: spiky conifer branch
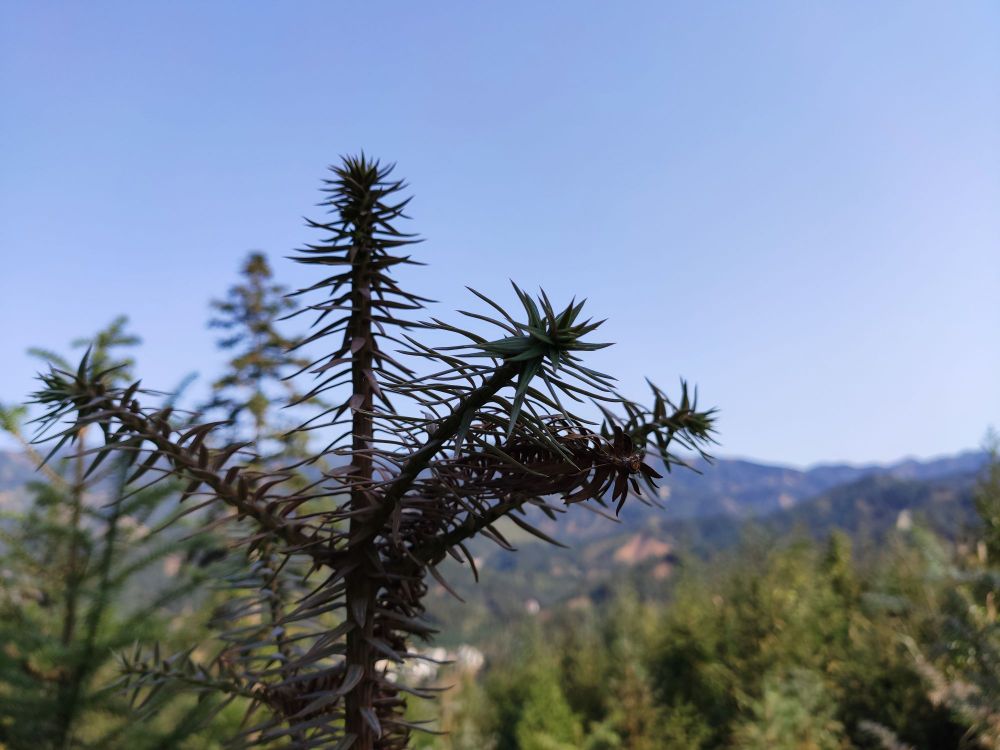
pixel 430 454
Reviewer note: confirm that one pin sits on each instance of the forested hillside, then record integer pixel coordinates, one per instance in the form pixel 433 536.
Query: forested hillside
pixel 794 636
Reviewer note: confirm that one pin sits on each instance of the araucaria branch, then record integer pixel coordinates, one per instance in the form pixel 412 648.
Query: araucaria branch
pixel 425 448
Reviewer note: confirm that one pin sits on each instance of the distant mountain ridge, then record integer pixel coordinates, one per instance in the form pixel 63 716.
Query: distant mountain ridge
pixel 744 489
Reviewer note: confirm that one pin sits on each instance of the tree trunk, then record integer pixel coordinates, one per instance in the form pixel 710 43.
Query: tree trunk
pixel 360 589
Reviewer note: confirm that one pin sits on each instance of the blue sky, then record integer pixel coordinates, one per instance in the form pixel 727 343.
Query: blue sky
pixel 794 205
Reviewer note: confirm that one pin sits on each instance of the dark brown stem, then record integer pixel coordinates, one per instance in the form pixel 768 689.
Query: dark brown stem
pixel 360 587
pixel 445 431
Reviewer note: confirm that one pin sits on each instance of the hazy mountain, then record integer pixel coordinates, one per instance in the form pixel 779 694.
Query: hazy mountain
pixel 741 489
pixel 15 471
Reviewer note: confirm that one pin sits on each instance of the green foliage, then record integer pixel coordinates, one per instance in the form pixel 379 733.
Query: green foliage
pixel 790 644
pixel 83 578
pixel 794 712
pixel 957 647
pixel 988 500
pixel 546 721
pixel 683 726
pixel 525 706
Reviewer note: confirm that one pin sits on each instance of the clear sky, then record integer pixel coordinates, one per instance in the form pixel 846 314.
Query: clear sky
pixel 795 205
